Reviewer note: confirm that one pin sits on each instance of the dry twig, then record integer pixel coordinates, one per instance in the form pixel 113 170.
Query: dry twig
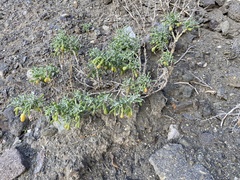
pixel 184 54
pixel 229 113
pixel 187 83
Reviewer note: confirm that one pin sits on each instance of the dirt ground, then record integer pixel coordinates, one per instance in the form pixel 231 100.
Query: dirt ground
pixel 199 99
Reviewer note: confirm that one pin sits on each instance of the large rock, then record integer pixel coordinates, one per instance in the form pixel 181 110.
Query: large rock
pixel 234 10
pixel 15 126
pixel 11 165
pixel 170 163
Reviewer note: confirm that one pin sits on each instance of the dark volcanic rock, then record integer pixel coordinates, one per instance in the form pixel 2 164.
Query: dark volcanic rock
pixel 170 163
pixel 11 164
pixel 15 126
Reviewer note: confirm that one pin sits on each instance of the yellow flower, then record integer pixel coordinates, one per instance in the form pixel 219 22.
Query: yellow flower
pixel 135 74
pixel 124 68
pixel 145 90
pixel 122 113
pixel 113 69
pixel 154 49
pixel 47 80
pixel 23 117
pixel 178 24
pixel 130 113
pixel 67 126
pixel 37 81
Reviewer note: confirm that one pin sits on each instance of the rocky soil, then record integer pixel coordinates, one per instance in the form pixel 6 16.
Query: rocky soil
pixel 189 130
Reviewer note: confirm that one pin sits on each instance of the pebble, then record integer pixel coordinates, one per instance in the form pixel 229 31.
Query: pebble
pixel 75 4
pixel 65 17
pixel 106 29
pixel 234 79
pixel 49 132
pixel 173 132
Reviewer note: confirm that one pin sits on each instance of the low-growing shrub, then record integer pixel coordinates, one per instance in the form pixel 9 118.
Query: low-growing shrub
pixel 43 74
pixel 25 103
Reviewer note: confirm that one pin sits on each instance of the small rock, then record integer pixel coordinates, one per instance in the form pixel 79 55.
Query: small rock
pixel 39 161
pixel 75 4
pixel 220 2
pixel 207 3
pixel 236 47
pixel 11 164
pixel 157 102
pixel 216 17
pixel 170 163
pixel 106 2
pixel 97 33
pixel 207 109
pixel 17 142
pixel 186 91
pixel 1 83
pixel 128 30
pixel 65 17
pixel 1 133
pixel 49 132
pixel 173 132
pixel 202 64
pixel 29 74
pixel 185 142
pixel 3 69
pixel 77 30
pixel 206 138
pixel 213 24
pixel 187 77
pixel 234 10
pixel 106 29
pixel 224 26
pixel 1 15
pixel 234 79
pixel 221 93
pixel 9 113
